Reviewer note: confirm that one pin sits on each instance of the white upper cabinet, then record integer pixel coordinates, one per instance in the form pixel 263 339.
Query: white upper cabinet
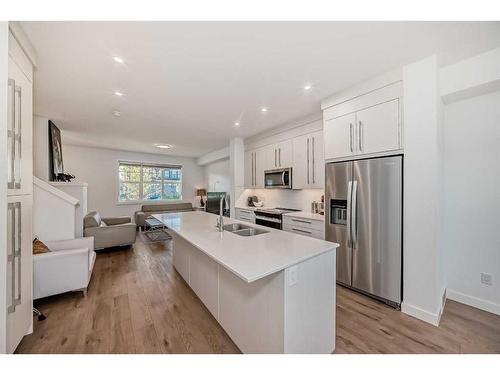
pixel 308 161
pixel 249 169
pixel 339 134
pixel 367 125
pixel 260 167
pixel 378 128
pixel 19 131
pixel 279 155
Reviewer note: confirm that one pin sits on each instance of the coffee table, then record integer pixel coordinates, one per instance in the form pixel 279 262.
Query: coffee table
pixel 154 229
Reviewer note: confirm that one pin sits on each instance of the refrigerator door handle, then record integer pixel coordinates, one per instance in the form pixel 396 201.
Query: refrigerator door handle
pixel 354 209
pixel 349 233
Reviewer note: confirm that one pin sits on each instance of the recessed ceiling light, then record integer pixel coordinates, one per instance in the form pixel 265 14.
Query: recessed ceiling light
pixel 263 109
pixel 117 113
pixel 118 93
pixel 307 87
pixel 119 60
pixel 163 146
pixel 236 124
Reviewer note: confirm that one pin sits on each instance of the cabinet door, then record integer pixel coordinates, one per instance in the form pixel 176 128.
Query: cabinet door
pixel 19 131
pixel 284 154
pixel 19 269
pixel 317 160
pixel 300 170
pixel 339 136
pixel 378 128
pixel 249 169
pixel 271 153
pixel 260 167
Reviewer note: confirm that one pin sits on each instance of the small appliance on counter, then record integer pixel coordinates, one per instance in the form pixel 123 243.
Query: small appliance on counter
pixel 251 200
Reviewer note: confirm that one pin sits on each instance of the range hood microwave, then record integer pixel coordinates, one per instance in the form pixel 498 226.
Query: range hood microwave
pixel 278 178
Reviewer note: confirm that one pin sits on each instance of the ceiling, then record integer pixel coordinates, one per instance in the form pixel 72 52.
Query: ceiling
pixel 187 83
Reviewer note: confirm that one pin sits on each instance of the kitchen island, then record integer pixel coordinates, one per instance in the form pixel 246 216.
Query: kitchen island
pixel 272 292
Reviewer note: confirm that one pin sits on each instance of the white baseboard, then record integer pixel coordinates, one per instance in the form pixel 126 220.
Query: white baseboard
pixel 421 314
pixel 478 303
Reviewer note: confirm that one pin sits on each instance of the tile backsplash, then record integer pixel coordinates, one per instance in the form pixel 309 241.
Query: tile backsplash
pixel 298 199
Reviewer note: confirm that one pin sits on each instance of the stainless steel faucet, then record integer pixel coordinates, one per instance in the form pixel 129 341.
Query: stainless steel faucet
pixel 220 220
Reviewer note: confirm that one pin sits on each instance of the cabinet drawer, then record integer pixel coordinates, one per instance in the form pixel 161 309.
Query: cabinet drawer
pixel 245 215
pixel 245 218
pixel 303 223
pixel 304 231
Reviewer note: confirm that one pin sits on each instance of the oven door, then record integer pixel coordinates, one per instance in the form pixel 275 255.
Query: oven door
pixel 278 178
pixel 267 221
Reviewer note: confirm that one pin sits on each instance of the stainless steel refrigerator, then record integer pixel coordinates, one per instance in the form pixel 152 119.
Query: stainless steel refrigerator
pixel 364 211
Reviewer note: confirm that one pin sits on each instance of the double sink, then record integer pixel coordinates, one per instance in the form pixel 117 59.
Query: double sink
pixel 243 230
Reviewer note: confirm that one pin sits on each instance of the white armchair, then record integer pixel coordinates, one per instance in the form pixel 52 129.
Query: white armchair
pixel 67 267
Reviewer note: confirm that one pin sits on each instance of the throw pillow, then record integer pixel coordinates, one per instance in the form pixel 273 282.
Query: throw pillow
pixel 39 247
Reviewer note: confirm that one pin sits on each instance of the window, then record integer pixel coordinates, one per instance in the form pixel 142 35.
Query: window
pixel 149 182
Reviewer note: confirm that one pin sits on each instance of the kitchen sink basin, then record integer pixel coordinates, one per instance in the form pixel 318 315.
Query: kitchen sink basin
pixel 250 232
pixel 243 230
pixel 235 227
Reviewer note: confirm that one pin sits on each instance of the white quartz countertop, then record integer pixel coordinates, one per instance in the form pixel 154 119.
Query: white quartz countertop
pixel 250 258
pixel 306 215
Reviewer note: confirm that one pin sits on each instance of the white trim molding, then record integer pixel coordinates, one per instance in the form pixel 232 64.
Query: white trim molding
pixel 417 312
pixel 476 302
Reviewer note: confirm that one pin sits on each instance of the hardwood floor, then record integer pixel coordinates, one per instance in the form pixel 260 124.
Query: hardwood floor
pixel 138 303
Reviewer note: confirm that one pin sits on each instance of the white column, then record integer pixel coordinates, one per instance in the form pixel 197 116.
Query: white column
pixel 423 269
pixel 236 169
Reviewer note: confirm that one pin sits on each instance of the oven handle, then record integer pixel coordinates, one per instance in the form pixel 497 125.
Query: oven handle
pixel 283 178
pixel 265 218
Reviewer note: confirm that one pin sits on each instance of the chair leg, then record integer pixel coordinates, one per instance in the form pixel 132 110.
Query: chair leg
pixel 39 314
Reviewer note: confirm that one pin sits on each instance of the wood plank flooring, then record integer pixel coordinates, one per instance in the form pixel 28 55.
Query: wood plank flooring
pixel 138 303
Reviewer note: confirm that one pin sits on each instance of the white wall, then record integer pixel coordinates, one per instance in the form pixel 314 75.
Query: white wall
pixel 297 199
pixel 217 176
pixel 99 168
pixel 472 199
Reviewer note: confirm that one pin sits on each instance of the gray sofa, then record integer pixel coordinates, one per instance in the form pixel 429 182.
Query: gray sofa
pixel 164 208
pixel 109 231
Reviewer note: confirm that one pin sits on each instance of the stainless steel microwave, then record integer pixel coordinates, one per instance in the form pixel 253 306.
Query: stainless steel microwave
pixel 278 178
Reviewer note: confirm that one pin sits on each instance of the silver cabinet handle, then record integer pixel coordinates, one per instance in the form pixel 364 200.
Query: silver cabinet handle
pixel 308 161
pixel 350 137
pixel 313 156
pixel 279 156
pixel 255 169
pixel 15 253
pixel 17 179
pixel 301 231
pixel 11 132
pixel 360 136
pixel 301 221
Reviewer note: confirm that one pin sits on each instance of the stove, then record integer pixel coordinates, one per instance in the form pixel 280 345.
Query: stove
pixel 272 217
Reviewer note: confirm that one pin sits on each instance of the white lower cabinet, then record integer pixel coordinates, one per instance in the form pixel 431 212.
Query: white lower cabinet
pixel 245 215
pixel 305 227
pixel 19 270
